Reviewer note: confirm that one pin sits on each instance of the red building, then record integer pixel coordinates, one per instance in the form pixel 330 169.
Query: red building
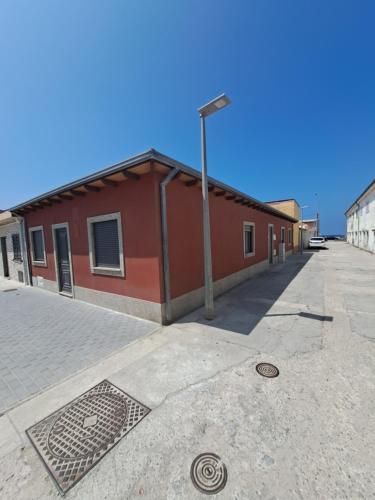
pixel 130 237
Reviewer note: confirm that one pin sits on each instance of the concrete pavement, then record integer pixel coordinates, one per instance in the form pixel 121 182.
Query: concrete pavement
pixel 310 433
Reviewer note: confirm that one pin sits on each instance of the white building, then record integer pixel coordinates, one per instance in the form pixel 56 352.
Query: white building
pixel 360 218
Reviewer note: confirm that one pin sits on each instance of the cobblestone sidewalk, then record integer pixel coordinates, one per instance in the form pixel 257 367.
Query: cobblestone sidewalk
pixel 45 337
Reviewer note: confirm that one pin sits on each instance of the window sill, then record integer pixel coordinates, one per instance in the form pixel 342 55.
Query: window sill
pixel 18 261
pixel 108 271
pixel 246 255
pixel 39 264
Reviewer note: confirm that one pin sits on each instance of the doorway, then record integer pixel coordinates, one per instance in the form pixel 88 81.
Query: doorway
pixel 4 255
pixel 62 257
pixel 270 243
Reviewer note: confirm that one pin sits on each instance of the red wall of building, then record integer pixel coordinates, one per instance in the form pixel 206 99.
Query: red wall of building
pixel 138 202
pixel 139 205
pixel 227 218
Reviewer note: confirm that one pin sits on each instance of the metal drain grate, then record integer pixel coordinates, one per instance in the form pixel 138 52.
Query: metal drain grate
pixel 10 290
pixel 267 370
pixel 208 473
pixel 73 439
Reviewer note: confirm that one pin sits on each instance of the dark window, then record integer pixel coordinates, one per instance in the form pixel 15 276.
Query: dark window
pixel 106 244
pixel 283 235
pixel 38 245
pixel 16 247
pixel 249 239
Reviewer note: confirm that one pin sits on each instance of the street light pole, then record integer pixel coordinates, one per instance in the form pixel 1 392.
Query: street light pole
pixel 317 228
pixel 209 287
pixel 301 230
pixel 204 111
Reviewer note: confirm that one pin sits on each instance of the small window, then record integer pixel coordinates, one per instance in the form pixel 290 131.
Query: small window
pixel 38 253
pixel 16 247
pixel 289 235
pixel 249 239
pixel 283 235
pixel 105 244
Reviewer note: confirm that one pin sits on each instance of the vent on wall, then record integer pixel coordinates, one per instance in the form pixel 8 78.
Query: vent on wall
pixel 20 276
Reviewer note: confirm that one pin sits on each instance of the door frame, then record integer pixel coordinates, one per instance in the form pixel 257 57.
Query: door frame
pixel 3 239
pixel 270 260
pixel 62 225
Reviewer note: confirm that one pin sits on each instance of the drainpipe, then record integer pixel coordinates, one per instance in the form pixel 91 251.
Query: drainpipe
pixel 25 253
pixel 164 231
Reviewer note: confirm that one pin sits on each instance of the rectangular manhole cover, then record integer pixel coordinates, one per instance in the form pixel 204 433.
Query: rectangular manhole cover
pixel 73 439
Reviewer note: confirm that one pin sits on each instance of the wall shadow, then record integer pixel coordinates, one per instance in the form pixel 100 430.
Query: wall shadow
pixel 239 310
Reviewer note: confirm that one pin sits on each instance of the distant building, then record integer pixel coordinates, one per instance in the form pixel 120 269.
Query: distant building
pixel 310 229
pixel 13 255
pixel 360 220
pixel 292 208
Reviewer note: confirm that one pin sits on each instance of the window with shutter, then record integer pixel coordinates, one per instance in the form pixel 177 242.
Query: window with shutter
pixel 107 252
pixel 16 247
pixel 105 244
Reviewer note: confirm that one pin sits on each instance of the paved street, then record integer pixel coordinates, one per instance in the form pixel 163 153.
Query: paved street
pixel 307 434
pixel 45 338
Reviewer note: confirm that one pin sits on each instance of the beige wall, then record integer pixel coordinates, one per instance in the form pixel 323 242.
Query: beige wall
pixel 14 266
pixel 291 208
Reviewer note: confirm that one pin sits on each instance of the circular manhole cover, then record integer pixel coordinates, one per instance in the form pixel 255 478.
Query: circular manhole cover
pixel 267 370
pixel 208 473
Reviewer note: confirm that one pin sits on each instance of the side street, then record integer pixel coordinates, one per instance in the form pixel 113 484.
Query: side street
pixel 307 433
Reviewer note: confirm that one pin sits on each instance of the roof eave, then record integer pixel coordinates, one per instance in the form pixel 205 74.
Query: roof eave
pixel 149 155
pixel 372 183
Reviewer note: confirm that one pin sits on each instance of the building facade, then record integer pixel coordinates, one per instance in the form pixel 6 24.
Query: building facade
pixel 360 220
pixel 13 255
pixel 290 207
pixel 310 228
pixel 130 237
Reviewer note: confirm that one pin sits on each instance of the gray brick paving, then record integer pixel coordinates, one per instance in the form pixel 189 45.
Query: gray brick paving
pixel 44 338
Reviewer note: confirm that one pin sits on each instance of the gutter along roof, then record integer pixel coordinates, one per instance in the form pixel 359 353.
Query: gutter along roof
pixel 372 183
pixel 125 168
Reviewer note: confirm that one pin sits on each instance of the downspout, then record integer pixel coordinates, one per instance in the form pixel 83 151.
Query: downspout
pixel 25 253
pixel 164 232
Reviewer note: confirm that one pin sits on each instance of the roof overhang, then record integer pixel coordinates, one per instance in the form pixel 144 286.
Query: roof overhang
pixel 128 168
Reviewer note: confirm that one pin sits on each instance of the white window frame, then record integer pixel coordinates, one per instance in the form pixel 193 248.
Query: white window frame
pixel 37 263
pixel 110 271
pixel 281 234
pixel 245 225
pixel 289 235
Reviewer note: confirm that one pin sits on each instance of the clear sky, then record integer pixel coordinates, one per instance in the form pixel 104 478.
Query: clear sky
pixel 86 83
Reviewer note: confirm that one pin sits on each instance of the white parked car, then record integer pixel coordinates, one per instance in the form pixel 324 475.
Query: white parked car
pixel 317 242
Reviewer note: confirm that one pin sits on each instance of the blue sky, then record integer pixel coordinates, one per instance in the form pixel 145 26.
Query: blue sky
pixel 85 84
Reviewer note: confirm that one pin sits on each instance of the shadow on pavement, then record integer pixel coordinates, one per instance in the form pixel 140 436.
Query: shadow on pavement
pixel 318 317
pixel 240 309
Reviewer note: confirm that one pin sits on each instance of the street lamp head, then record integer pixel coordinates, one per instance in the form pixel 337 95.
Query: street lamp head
pixel 215 105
